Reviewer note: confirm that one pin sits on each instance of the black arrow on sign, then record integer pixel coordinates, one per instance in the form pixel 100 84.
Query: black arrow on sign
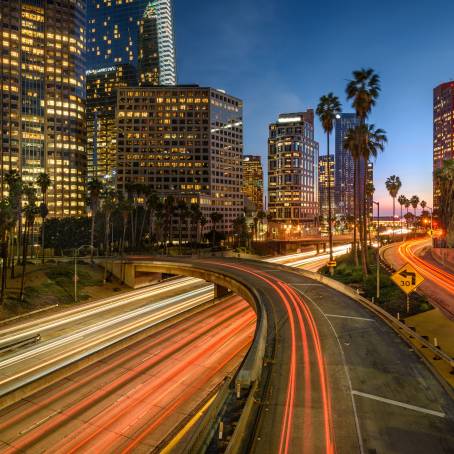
pixel 406 274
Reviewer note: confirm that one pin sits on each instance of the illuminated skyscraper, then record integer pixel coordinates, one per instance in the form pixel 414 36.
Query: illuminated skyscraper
pixel 293 169
pixel 443 129
pixel 102 85
pixel 42 97
pixel 325 178
pixel 253 181
pixel 185 141
pixel 138 32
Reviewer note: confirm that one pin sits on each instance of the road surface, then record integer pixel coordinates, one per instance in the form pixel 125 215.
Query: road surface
pixel 131 400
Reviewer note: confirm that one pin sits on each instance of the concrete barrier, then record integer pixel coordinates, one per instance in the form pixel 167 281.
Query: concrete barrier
pixel 444 256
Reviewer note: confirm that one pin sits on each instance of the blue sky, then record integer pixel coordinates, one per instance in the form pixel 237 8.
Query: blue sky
pixel 281 56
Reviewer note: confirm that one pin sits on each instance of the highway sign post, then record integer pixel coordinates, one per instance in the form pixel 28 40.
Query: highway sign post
pixel 408 280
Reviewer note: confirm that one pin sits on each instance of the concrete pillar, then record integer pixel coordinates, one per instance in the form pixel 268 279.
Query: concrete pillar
pixel 220 291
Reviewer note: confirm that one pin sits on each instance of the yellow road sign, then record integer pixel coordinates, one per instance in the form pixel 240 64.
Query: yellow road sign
pixel 407 278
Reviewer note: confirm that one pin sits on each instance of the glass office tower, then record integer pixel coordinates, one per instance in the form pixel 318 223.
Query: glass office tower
pixel 42 97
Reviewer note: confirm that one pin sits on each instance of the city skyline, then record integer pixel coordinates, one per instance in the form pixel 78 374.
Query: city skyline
pixel 393 46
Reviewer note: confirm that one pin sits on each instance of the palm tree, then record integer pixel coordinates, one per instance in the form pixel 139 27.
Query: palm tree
pixel 43 181
pixel 108 207
pixel 407 206
pixel 374 143
pixel 7 222
pixel 363 90
pixel 152 206
pixel 31 210
pixel 414 201
pixel 169 209
pixel 328 109
pixel 261 215
pixel 423 204
pixel 393 185
pixel 203 222
pixel 94 188
pixel 215 217
pixel 183 213
pixel 196 216
pixel 352 143
pixel 402 199
pixel 16 189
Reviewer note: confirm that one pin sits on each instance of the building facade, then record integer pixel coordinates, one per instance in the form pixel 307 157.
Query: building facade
pixel 131 31
pixel 253 182
pixel 443 130
pixel 293 170
pixel 185 141
pixel 344 166
pixel 42 98
pixel 102 85
pixel 326 180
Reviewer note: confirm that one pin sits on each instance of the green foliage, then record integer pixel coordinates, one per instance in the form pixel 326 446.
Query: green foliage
pixel 66 233
pixel 392 299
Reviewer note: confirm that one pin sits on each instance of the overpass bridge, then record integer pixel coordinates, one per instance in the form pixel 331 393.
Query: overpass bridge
pixel 323 374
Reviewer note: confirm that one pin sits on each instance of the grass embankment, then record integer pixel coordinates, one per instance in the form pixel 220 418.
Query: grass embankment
pixel 53 283
pixel 392 299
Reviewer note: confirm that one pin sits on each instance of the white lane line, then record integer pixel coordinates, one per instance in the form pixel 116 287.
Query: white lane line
pixel 347 373
pixel 307 285
pixel 349 316
pixel 400 404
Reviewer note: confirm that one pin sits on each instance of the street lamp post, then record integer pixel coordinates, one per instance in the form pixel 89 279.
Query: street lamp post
pixel 378 249
pixel 76 256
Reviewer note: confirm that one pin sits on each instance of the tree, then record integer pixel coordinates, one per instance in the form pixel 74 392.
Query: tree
pixel 414 201
pixel 169 210
pixel 261 216
pixel 215 217
pixel 393 185
pixel 44 182
pixel 240 228
pixel 363 90
pixel 203 222
pixel 109 204
pixel 152 207
pixel 402 199
pixel 7 222
pixel 328 109
pixel 445 180
pixel 423 204
pixel 183 214
pixel 94 188
pixel 195 215
pixel 31 211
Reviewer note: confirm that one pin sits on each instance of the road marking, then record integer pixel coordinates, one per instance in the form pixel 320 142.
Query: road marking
pixel 349 316
pixel 307 285
pixel 347 373
pixel 400 404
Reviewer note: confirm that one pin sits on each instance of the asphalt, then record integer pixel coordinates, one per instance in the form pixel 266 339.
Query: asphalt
pixel 379 396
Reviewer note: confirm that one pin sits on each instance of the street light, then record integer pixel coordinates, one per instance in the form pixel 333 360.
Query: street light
pixel 378 249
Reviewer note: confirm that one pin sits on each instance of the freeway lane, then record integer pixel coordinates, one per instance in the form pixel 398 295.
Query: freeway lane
pixel 439 285
pixel 339 379
pixel 129 401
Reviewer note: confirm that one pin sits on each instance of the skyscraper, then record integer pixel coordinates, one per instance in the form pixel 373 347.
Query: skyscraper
pixel 344 168
pixel 42 97
pixel 443 129
pixel 326 177
pixel 293 169
pixel 253 181
pixel 185 141
pixel 102 85
pixel 138 32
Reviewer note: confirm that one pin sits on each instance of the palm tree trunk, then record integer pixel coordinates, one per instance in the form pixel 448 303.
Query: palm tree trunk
pixel 394 216
pixel 106 238
pixel 4 254
pixel 42 241
pixel 92 234
pixel 24 262
pixel 330 220
pixel 364 226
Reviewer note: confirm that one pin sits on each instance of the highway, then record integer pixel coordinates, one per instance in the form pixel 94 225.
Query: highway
pixel 339 380
pixel 439 284
pixel 336 379
pixel 131 400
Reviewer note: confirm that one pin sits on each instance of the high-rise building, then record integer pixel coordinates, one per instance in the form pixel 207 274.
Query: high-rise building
pixel 253 181
pixel 326 180
pixel 133 31
pixel 102 85
pixel 185 141
pixel 293 170
pixel 344 167
pixel 42 97
pixel 443 130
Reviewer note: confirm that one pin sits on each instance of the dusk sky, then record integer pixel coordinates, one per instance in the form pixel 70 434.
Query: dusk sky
pixel 281 56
